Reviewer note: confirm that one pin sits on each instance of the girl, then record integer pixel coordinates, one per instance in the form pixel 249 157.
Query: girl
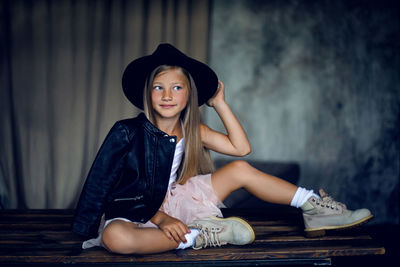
pixel 152 187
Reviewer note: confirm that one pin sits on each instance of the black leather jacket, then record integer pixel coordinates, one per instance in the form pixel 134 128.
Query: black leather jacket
pixel 129 176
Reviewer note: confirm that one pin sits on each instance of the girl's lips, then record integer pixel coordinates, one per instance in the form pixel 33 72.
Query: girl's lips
pixel 167 106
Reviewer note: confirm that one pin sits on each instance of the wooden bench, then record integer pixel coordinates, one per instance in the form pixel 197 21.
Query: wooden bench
pixel 43 237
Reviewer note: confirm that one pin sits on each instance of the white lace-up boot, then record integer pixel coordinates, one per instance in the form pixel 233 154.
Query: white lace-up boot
pixel 327 214
pixel 221 231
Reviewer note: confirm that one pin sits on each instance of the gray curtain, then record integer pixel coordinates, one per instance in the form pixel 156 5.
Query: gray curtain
pixel 60 75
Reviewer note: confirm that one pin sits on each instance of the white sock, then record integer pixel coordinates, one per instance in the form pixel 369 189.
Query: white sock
pixel 301 196
pixel 190 238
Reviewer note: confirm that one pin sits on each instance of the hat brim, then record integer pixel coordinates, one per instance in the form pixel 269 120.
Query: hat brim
pixel 136 73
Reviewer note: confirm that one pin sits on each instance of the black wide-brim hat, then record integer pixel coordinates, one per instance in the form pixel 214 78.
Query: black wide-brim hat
pixel 136 73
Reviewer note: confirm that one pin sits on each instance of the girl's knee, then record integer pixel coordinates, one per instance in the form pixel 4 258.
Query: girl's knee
pixel 240 164
pixel 238 171
pixel 116 238
pixel 230 177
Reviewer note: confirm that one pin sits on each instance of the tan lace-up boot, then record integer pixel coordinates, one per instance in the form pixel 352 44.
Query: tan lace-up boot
pixel 327 214
pixel 221 231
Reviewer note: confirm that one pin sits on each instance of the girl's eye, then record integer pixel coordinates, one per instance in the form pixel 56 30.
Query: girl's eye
pixel 157 87
pixel 177 88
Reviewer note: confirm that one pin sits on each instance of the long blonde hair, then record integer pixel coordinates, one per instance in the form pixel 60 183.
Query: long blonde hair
pixel 196 159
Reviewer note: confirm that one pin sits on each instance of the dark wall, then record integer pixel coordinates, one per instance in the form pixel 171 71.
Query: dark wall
pixel 317 82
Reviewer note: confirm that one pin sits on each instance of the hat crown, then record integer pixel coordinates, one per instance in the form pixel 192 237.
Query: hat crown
pixel 169 55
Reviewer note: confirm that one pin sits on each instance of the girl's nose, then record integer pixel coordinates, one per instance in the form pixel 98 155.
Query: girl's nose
pixel 166 95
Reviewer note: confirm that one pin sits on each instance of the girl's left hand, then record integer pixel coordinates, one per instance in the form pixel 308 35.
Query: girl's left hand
pixel 219 95
pixel 173 228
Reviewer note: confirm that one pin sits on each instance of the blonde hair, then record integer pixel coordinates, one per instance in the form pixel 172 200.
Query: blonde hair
pixel 196 159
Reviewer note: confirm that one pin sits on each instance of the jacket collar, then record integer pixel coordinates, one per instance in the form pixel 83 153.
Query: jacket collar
pixel 149 126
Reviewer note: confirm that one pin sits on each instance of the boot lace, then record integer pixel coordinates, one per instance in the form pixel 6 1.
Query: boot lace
pixel 209 236
pixel 328 202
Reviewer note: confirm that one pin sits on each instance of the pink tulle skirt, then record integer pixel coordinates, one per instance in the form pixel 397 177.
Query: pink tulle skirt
pixel 194 200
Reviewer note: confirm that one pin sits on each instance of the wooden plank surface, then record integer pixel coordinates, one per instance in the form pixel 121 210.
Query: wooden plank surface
pixel 44 236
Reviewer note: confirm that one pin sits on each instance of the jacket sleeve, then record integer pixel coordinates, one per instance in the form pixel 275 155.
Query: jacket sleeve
pixel 102 175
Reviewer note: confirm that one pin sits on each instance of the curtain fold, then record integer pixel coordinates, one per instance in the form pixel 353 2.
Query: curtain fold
pixel 61 67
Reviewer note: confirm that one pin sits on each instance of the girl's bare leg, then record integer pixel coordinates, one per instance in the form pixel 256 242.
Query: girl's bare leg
pixel 240 174
pixel 127 238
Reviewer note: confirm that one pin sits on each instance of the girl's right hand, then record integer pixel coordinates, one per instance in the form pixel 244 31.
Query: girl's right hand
pixel 219 95
pixel 173 228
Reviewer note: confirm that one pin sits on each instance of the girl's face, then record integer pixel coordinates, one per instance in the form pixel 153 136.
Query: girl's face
pixel 169 94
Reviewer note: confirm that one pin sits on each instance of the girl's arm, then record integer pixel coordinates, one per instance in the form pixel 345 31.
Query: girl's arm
pixel 173 228
pixel 100 179
pixel 235 142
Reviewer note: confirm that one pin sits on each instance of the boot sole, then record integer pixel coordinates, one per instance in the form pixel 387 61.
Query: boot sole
pixel 242 221
pixel 321 231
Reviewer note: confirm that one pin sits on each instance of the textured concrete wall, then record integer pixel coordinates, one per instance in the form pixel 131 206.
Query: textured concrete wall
pixel 317 82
